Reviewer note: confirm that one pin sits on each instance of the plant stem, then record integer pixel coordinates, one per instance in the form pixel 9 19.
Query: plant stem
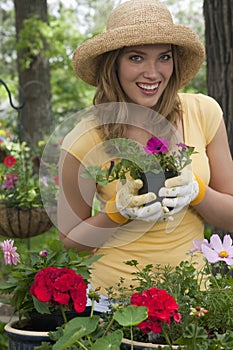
pixel 109 326
pixel 131 337
pixel 194 337
pixel 82 345
pixel 167 338
pixel 92 307
pixel 63 313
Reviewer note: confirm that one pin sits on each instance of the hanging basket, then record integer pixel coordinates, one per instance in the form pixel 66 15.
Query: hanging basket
pixel 17 222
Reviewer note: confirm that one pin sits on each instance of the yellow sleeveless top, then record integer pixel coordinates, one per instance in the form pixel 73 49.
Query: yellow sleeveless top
pixel 160 243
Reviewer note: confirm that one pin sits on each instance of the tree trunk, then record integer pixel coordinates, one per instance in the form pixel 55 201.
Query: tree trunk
pixel 34 81
pixel 218 16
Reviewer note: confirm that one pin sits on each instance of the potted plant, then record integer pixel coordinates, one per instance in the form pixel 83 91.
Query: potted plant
pixel 63 274
pixel 165 308
pixel 22 213
pixel 152 163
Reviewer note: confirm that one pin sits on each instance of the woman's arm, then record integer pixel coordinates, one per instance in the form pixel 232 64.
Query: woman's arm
pixel 217 205
pixel 75 224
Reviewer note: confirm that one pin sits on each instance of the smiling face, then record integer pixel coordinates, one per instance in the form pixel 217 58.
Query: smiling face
pixel 144 72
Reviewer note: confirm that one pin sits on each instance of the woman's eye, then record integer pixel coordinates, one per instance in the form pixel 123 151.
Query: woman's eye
pixel 135 58
pixel 166 57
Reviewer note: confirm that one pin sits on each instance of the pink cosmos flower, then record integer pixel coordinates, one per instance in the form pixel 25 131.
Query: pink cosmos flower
pixel 198 245
pixel 11 257
pixel 218 250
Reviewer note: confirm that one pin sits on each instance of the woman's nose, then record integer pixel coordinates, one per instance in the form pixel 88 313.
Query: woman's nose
pixel 150 70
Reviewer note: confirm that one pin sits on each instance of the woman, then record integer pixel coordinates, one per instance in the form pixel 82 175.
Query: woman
pixel 143 59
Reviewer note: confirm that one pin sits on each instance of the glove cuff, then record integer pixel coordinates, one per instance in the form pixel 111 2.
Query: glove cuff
pixel 201 193
pixel 113 213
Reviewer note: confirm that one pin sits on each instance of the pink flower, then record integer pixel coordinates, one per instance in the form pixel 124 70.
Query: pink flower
pixel 218 250
pixel 43 253
pixel 155 146
pixel 198 245
pixel 10 181
pixel 9 251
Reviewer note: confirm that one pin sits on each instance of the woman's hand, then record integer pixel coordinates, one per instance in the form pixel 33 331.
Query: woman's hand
pixel 135 207
pixel 183 190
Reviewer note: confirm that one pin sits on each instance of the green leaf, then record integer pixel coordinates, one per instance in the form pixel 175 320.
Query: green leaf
pixel 200 332
pixel 109 342
pixel 131 315
pixel 41 307
pixel 75 329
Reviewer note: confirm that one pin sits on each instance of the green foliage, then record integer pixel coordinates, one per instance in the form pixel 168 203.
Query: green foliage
pixel 3 337
pixel 130 316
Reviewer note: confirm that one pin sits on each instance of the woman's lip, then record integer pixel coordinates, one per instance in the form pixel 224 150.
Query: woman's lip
pixel 148 88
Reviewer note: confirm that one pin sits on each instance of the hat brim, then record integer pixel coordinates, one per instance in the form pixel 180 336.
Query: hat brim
pixel 87 57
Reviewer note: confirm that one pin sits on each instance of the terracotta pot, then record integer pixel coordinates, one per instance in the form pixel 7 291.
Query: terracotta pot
pixel 126 345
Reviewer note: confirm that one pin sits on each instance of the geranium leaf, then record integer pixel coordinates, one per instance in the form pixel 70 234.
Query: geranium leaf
pixel 75 329
pixel 131 315
pixel 110 342
pixel 41 307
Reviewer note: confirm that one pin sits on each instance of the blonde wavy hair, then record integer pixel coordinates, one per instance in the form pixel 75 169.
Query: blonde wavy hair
pixel 109 90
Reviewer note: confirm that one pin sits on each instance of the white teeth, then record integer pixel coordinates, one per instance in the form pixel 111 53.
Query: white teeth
pixel 148 87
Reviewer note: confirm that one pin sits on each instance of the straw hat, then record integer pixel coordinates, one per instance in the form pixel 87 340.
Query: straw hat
pixel 138 22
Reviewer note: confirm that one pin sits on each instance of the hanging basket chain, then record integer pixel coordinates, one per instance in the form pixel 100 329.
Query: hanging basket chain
pixel 10 98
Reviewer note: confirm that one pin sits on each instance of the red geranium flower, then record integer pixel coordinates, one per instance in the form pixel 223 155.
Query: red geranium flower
pixel 60 286
pixel 9 161
pixel 162 307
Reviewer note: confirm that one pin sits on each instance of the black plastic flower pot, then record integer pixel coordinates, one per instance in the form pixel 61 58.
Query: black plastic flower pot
pixel 49 322
pixel 153 182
